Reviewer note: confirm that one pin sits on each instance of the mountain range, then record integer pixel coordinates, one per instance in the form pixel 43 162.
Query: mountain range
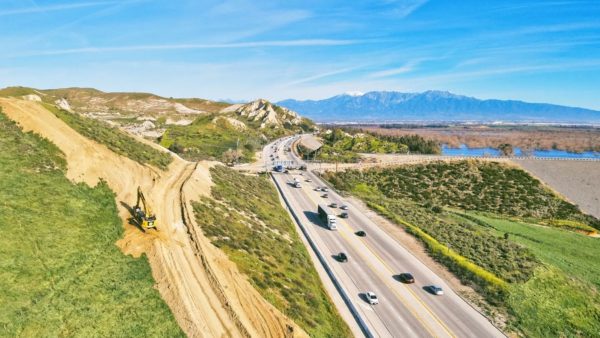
pixel 389 106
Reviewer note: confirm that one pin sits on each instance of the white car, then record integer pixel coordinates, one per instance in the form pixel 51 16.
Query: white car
pixel 372 298
pixel 344 207
pixel 436 290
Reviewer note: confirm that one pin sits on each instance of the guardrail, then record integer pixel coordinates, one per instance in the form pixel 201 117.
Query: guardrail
pixel 361 323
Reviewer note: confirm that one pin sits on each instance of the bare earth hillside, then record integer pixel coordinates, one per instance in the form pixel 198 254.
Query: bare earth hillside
pixel 207 294
pixel 578 181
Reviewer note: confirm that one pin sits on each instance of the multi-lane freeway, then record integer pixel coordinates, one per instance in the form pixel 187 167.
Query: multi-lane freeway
pixel 374 262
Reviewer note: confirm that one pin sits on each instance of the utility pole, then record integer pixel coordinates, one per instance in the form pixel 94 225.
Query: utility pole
pixel 237 150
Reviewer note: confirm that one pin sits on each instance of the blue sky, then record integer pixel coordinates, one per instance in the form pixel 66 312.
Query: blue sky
pixel 540 51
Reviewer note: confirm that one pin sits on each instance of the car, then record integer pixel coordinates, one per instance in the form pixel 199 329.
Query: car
pixel 324 195
pixel 372 298
pixel 360 233
pixel 333 205
pixel 318 189
pixel 344 215
pixel 436 290
pixel 324 189
pixel 308 180
pixel 341 257
pixel 406 277
pixel 344 207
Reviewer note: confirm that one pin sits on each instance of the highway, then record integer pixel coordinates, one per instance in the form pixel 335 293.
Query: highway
pixel 374 261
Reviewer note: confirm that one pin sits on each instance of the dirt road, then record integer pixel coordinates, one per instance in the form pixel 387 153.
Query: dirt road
pixel 207 294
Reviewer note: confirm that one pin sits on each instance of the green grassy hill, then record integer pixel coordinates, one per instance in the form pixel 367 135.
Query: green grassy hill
pixel 474 185
pixel 61 274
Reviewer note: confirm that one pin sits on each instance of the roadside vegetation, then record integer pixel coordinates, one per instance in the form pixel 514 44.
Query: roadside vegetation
pixel 475 185
pixel 115 139
pixel 61 273
pixel 344 145
pixel 246 220
pixel 500 230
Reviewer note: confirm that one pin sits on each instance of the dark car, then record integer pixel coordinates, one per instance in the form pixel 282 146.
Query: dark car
pixel 342 257
pixel 344 215
pixel 333 205
pixel 324 195
pixel 406 278
pixel 360 233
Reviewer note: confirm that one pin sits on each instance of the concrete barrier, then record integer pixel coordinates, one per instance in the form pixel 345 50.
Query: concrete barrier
pixel 361 322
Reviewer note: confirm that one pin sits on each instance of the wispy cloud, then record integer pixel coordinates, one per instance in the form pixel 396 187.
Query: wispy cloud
pixel 451 77
pixel 404 8
pixel 407 67
pixel 252 44
pixel 323 75
pixel 53 8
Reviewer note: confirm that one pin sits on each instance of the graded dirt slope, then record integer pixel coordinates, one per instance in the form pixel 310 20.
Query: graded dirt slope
pixel 207 294
pixel 578 181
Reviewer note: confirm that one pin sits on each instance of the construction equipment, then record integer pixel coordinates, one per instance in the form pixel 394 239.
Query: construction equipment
pixel 143 214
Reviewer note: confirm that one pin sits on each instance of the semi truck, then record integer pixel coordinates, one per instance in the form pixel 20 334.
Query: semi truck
pixel 327 216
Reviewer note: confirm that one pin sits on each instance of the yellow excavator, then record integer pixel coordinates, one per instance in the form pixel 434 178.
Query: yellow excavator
pixel 143 214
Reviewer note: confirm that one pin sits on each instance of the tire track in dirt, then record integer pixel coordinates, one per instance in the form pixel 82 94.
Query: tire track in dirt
pixel 208 296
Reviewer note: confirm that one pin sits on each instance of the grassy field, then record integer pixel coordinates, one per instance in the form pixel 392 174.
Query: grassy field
pixel 574 253
pixel 115 139
pixel 554 304
pixel 552 273
pixel 61 274
pixel 474 185
pixel 245 220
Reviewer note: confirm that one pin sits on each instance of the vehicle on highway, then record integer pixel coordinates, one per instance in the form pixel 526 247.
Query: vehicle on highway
pixel 308 180
pixel 341 257
pixel 344 215
pixel 278 168
pixel 406 277
pixel 333 205
pixel 344 207
pixel 324 195
pixel 436 290
pixel 372 298
pixel 327 216
pixel 297 185
pixel 360 233
pixel 325 189
pixel 318 189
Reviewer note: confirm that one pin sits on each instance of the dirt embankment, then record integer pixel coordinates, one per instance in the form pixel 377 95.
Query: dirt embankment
pixel 577 181
pixel 207 294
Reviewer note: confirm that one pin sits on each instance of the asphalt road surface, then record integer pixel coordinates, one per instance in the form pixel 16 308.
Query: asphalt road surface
pixel 374 261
